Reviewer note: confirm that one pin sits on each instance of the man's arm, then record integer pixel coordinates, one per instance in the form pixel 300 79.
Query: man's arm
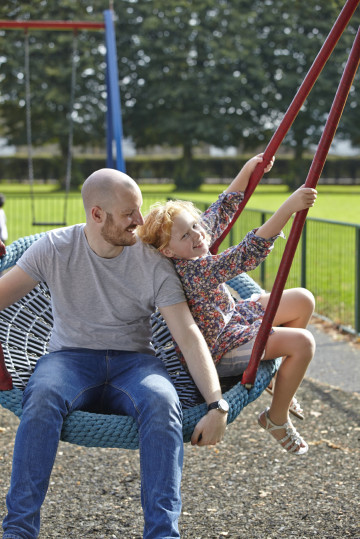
pixel 14 285
pixel 210 429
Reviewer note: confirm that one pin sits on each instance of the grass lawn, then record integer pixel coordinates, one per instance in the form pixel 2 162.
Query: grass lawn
pixel 330 262
pixel 338 203
pixel 335 202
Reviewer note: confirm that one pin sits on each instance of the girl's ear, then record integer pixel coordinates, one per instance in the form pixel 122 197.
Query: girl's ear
pixel 167 252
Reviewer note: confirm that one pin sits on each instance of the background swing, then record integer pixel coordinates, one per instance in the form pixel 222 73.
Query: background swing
pixel 114 134
pixel 35 222
pixel 84 428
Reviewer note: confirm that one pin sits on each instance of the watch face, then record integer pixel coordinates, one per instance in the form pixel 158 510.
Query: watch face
pixel 223 405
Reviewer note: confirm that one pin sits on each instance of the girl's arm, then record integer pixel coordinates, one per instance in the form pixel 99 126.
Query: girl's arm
pixel 208 271
pixel 301 199
pixel 217 217
pixel 241 181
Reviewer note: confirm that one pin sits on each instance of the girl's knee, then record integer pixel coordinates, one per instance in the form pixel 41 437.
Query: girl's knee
pixel 297 342
pixel 307 344
pixel 306 298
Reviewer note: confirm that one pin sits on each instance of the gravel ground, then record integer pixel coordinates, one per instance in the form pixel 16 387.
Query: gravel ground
pixel 247 486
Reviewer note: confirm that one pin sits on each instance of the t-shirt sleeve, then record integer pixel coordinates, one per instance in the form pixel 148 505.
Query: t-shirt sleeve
pixel 36 258
pixel 168 287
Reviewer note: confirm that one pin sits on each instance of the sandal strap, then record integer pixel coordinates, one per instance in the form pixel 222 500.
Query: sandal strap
pixel 292 441
pixel 270 426
pixel 295 405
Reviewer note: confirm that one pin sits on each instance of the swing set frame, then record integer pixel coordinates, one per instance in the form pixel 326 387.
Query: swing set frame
pixel 249 381
pixel 114 131
pixel 318 162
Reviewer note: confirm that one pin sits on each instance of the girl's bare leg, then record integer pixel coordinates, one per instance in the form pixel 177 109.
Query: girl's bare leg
pixel 297 347
pixel 295 308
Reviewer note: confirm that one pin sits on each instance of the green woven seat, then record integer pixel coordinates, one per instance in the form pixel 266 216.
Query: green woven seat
pixel 25 329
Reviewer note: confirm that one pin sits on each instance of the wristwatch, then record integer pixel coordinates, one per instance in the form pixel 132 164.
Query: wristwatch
pixel 220 405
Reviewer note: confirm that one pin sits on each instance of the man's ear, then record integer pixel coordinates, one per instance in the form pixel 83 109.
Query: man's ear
pixel 167 252
pixel 97 214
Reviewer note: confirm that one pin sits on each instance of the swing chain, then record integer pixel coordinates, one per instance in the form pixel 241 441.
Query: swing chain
pixel 29 126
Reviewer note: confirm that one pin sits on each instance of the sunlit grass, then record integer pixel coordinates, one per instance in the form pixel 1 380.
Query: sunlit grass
pixel 330 261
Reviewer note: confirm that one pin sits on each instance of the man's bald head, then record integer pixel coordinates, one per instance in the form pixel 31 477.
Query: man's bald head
pixel 104 187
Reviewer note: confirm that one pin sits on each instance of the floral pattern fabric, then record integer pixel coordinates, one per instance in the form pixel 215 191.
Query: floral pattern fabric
pixel 224 323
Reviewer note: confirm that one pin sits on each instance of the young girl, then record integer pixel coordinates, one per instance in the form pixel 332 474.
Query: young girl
pixel 179 232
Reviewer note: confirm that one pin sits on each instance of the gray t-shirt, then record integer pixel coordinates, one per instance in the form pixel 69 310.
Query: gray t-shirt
pixel 101 303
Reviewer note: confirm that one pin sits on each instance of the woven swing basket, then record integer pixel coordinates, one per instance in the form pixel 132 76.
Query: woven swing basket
pixel 25 329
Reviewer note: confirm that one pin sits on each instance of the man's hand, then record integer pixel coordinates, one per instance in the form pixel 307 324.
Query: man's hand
pixel 210 429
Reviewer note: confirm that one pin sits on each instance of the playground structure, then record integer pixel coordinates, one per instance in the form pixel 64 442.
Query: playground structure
pixel 11 398
pixel 114 132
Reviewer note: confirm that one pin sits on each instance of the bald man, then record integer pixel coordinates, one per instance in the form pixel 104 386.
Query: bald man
pixel 104 286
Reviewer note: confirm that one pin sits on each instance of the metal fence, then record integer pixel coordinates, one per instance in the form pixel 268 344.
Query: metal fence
pixel 327 260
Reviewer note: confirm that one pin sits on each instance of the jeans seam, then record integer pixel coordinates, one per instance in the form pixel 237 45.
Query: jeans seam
pixel 127 394
pixel 81 393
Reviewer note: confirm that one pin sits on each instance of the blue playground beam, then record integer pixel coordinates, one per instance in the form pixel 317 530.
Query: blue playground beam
pixel 114 131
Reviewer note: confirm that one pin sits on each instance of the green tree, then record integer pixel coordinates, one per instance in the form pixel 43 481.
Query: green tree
pixel 220 73
pixel 51 56
pixel 224 73
pixel 187 75
pixel 291 34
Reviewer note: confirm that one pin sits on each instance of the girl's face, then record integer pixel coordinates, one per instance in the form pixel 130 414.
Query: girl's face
pixel 188 238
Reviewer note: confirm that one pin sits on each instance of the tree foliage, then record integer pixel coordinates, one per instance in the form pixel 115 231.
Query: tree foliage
pixel 189 76
pixel 215 72
pixel 225 72
pixel 51 57
pixel 293 34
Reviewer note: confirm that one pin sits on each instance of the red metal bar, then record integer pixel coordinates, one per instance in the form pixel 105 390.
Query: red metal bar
pixel 52 25
pixel 290 115
pixel 296 229
pixel 5 378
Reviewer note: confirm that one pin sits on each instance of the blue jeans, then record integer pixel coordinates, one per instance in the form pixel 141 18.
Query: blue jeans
pixel 124 383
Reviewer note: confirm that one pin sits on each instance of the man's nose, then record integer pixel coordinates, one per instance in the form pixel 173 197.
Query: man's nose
pixel 139 220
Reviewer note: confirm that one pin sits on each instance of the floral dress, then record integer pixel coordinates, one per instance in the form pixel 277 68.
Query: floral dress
pixel 224 323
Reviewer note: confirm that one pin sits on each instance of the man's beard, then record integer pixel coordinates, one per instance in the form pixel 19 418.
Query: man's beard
pixel 115 235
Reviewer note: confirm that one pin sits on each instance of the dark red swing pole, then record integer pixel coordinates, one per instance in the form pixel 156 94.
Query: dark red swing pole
pixel 296 229
pixel 290 115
